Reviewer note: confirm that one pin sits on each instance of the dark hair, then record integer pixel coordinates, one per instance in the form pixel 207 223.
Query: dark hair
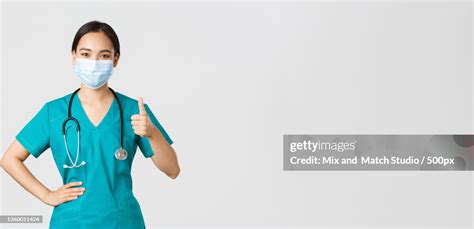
pixel 97 26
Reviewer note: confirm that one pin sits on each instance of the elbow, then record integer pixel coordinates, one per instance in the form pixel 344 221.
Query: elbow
pixel 5 163
pixel 9 162
pixel 170 172
pixel 174 173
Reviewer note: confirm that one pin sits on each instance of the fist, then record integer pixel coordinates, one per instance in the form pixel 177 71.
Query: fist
pixel 141 123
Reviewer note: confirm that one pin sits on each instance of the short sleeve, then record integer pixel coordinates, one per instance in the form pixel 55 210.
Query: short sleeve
pixel 144 143
pixel 35 135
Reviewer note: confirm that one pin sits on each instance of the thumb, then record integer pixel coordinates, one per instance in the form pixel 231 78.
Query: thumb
pixel 141 106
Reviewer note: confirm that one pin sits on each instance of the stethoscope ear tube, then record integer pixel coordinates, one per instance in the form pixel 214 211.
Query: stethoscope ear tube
pixel 73 164
pixel 78 127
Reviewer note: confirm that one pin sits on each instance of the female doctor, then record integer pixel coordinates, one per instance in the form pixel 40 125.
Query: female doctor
pixel 93 134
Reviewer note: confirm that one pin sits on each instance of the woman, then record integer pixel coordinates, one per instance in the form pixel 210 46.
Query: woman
pixel 92 150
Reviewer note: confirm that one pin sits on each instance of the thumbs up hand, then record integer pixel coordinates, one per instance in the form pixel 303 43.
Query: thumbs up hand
pixel 141 123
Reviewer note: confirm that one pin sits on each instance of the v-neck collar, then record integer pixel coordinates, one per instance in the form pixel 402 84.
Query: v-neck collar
pixel 84 120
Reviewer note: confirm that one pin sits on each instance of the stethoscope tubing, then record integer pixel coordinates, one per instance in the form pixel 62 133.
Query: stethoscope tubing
pixel 78 130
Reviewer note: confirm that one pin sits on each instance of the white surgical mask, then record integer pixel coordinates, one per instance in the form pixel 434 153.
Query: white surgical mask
pixel 93 73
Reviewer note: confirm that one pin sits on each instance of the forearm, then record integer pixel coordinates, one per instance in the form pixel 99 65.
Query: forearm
pixel 20 173
pixel 164 156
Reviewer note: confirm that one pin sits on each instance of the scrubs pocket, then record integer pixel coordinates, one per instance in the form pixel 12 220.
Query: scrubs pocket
pixel 66 209
pixel 75 174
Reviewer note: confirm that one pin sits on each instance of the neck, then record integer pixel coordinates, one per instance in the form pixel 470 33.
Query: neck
pixel 94 95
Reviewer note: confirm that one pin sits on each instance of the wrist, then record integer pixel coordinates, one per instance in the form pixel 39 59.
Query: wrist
pixel 43 195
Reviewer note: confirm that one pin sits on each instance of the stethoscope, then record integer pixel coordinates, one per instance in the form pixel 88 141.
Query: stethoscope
pixel 120 153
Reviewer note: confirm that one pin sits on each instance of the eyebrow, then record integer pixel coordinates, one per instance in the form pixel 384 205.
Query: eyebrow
pixel 104 50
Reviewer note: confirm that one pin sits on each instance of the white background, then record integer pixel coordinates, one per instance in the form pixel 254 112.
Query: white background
pixel 228 79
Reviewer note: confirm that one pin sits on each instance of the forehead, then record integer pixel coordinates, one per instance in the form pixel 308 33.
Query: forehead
pixel 95 41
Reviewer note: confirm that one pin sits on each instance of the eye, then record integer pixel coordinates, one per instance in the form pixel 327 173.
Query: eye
pixel 85 54
pixel 106 56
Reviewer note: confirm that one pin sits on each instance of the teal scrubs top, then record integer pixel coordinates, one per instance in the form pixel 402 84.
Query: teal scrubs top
pixel 108 201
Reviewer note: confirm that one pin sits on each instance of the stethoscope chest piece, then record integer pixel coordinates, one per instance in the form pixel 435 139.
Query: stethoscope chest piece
pixel 121 154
